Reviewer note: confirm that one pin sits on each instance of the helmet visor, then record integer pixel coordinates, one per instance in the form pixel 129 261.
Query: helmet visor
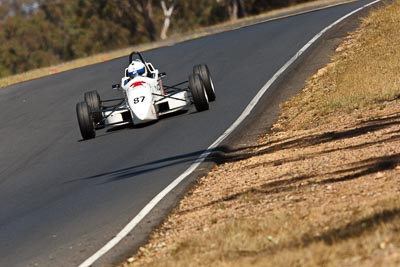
pixel 132 74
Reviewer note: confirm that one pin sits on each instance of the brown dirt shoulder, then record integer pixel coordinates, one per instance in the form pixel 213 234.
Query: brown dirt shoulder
pixel 305 194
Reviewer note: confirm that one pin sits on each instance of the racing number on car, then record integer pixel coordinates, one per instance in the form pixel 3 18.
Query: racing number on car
pixel 138 100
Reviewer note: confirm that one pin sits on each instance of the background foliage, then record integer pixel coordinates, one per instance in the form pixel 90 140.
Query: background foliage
pixel 39 33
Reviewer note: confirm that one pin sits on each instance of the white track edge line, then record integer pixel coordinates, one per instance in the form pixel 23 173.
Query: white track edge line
pixel 146 210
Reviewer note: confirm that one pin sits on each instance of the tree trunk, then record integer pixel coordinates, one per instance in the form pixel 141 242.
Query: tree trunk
pixel 145 8
pixel 241 9
pixel 233 10
pixel 167 18
pixel 236 9
pixel 148 17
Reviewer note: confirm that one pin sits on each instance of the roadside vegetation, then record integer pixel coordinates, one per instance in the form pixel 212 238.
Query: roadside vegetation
pixel 364 75
pixel 40 33
pixel 24 19
pixel 321 189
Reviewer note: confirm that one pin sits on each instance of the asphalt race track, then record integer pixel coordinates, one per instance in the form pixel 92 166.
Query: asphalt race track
pixel 61 198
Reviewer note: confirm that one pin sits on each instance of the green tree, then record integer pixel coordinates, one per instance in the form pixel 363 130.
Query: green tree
pixel 34 36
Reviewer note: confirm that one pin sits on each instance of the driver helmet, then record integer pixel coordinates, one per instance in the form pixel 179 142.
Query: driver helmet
pixel 136 68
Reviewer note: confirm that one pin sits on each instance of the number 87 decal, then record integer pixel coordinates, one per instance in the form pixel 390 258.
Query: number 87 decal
pixel 139 99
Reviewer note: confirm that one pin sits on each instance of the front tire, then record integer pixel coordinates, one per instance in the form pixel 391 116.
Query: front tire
pixel 92 98
pixel 205 75
pixel 85 121
pixel 199 94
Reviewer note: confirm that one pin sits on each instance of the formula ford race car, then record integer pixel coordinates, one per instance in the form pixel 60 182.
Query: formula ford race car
pixel 145 98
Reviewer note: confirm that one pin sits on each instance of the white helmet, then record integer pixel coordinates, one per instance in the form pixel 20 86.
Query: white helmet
pixel 136 68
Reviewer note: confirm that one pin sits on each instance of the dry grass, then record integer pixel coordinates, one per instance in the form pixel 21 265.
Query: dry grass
pixel 286 238
pixel 34 74
pixel 322 190
pixel 364 75
pixel 305 198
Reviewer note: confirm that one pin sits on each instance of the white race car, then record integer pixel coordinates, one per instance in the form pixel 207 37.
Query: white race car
pixel 145 98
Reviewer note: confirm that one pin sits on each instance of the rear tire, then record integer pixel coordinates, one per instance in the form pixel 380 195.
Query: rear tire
pixel 199 94
pixel 85 121
pixel 205 75
pixel 93 100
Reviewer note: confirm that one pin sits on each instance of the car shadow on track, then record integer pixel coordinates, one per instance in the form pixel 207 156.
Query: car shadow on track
pixel 133 171
pixel 224 154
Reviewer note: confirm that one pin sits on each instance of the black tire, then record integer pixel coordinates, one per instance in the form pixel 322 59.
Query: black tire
pixel 205 75
pixel 85 121
pixel 198 93
pixel 93 100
